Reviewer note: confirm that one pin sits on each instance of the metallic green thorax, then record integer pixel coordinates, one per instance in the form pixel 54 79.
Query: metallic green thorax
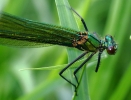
pixel 92 43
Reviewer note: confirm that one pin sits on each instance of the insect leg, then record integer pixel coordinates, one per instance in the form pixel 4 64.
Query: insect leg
pixel 82 20
pixel 98 62
pixel 61 72
pixel 82 66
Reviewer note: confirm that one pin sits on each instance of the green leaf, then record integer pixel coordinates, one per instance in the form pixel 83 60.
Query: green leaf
pixel 67 20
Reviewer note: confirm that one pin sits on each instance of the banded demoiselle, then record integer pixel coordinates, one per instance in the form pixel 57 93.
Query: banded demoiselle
pixel 16 31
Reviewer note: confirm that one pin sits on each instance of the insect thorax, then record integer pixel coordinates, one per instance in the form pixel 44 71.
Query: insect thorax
pixel 86 42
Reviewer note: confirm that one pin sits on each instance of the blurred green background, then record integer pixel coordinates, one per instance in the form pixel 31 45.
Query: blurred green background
pixel 112 82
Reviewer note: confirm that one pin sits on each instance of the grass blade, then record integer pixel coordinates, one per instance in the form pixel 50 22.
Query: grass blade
pixel 67 20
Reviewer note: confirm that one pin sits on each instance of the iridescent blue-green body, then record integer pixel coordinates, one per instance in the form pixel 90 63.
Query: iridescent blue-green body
pixel 20 32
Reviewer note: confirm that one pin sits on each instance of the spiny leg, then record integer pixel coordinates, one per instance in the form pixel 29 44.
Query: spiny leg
pixel 82 20
pixel 64 69
pixel 82 66
pixel 98 62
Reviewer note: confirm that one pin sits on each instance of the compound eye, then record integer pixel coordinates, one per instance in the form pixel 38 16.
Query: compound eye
pixel 111 50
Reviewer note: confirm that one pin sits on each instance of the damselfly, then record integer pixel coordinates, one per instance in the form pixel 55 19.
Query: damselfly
pixel 26 33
